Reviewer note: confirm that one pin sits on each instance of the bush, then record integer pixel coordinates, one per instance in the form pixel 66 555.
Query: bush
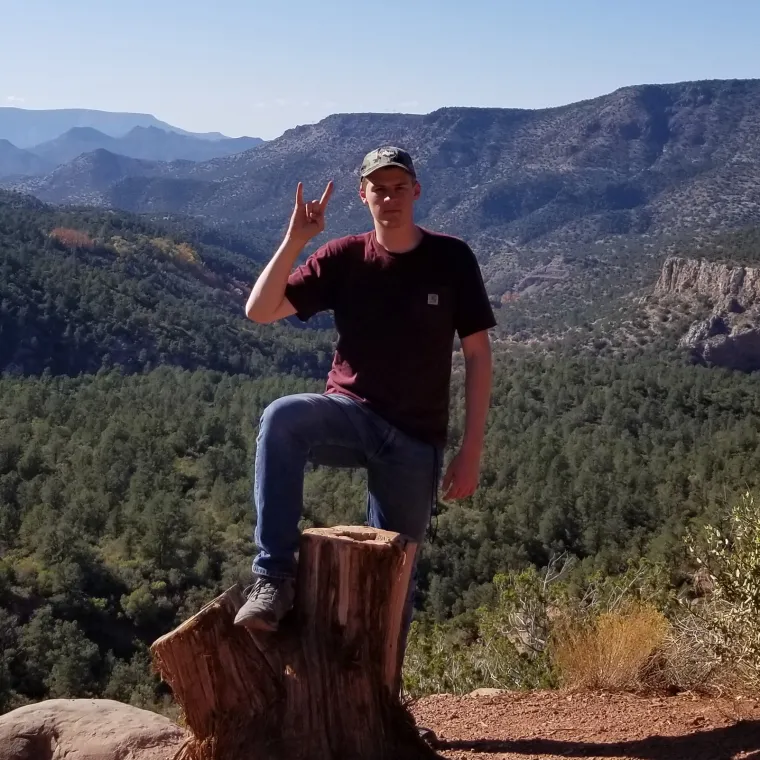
pixel 614 652
pixel 504 646
pixel 730 613
pixel 689 659
pixel 547 628
pixel 443 659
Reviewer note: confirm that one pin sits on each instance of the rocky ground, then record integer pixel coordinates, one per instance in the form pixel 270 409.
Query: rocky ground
pixel 544 725
pixel 489 726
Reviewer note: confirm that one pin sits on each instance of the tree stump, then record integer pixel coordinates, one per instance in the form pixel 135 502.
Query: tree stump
pixel 325 686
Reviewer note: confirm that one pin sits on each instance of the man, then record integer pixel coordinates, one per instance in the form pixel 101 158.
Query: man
pixel 399 294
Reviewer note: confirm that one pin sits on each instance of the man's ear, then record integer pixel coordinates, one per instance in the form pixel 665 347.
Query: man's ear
pixel 363 193
pixel 417 190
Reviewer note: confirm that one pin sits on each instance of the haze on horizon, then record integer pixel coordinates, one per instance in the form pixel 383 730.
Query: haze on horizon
pixel 259 68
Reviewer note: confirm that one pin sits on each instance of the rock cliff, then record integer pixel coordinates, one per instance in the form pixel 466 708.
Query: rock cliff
pixel 719 283
pixel 730 335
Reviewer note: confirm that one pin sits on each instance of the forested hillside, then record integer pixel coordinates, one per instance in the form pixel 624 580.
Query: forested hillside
pixel 125 500
pixel 82 290
pixel 129 402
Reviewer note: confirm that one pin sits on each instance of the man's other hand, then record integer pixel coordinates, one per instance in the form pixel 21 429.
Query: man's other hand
pixel 462 475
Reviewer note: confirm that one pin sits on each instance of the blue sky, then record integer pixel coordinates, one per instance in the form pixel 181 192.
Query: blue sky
pixel 258 68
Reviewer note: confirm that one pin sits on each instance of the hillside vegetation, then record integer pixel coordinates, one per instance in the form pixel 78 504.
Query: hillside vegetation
pixel 523 186
pixel 83 290
pixel 129 403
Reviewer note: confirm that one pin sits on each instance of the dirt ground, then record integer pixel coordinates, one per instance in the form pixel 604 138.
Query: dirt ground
pixel 549 725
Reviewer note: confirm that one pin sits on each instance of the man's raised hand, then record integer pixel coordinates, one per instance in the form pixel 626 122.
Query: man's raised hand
pixel 308 219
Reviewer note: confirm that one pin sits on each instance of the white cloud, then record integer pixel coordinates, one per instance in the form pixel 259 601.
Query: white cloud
pixel 15 100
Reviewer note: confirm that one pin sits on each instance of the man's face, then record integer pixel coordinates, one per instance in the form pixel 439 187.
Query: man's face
pixel 390 194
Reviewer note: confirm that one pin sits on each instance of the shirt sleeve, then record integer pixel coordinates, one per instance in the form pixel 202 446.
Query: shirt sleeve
pixel 313 286
pixel 472 309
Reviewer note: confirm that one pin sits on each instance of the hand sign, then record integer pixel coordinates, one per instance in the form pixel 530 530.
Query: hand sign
pixel 308 219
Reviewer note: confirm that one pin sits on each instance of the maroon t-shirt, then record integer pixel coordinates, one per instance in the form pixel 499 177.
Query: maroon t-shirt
pixel 396 315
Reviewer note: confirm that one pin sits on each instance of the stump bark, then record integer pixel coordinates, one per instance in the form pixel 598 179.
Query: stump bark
pixel 326 685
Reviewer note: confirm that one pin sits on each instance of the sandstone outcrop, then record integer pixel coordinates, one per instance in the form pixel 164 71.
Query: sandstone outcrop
pixel 730 335
pixel 87 729
pixel 713 280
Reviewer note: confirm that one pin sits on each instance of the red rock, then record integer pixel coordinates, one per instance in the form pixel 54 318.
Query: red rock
pixel 87 729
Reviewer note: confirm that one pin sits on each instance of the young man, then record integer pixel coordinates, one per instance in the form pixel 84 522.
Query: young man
pixel 399 294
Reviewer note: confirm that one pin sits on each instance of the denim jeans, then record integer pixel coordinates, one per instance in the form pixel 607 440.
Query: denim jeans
pixel 336 431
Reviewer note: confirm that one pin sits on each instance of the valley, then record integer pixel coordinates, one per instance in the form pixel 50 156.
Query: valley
pixel 619 242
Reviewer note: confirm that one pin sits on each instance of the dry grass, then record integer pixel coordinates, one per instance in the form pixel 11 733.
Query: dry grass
pixel 612 652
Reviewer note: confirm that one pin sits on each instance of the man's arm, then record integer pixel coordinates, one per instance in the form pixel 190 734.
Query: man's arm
pixel 463 474
pixel 267 301
pixel 478 371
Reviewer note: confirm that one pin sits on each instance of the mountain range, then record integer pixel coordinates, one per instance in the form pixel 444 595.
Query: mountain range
pixel 525 187
pixel 19 162
pixel 148 143
pixel 26 127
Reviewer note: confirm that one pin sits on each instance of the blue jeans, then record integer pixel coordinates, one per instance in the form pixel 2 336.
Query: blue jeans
pixel 335 430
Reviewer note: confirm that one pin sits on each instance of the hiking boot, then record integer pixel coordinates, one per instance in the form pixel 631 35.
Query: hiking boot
pixel 269 599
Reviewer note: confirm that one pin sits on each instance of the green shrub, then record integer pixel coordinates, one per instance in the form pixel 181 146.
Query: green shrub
pixel 730 554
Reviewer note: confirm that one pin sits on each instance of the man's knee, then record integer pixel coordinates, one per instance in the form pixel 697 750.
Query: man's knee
pixel 282 413
pixel 289 415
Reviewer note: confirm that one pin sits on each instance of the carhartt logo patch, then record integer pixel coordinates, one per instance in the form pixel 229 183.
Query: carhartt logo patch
pixel 432 299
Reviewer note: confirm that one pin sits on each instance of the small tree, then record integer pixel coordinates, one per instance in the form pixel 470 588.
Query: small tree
pixel 731 557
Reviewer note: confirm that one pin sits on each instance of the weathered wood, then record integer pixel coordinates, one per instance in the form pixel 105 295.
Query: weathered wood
pixel 326 685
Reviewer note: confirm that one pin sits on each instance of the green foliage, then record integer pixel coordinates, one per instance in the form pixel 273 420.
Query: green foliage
pixel 131 683
pixel 734 559
pixel 9 697
pixel 607 459
pixel 136 297
pixel 739 248
pixel 730 553
pixel 126 500
pixel 562 625
pixel 59 659
pixel 502 645
pixel 125 492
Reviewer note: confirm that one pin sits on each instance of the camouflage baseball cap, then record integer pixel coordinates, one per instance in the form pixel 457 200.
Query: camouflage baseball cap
pixel 387 156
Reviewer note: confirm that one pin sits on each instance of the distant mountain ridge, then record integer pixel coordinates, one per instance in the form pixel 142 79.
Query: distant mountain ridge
pixel 85 178
pixel 527 188
pixel 148 143
pixel 28 127
pixel 523 186
pixel 18 162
